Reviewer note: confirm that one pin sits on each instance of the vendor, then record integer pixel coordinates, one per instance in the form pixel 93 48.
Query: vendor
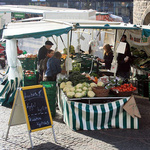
pixel 54 67
pixel 124 61
pixel 42 55
pixel 43 50
pixel 43 62
pixel 108 56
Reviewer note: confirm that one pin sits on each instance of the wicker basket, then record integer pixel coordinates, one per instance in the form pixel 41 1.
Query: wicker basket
pixel 100 91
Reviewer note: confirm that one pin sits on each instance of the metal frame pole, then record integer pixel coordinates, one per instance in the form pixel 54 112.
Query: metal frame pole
pixel 11 117
pixel 54 134
pixel 68 53
pixel 30 139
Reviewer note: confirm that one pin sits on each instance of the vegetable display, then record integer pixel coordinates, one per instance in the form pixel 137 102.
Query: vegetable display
pixel 77 77
pixel 78 91
pixel 125 88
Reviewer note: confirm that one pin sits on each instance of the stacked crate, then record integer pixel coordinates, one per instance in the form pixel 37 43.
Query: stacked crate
pixel 143 85
pixel 30 74
pixel 50 87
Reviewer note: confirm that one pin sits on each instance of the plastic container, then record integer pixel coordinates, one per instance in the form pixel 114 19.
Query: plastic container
pixel 143 88
pixel 29 63
pixel 30 79
pixel 51 89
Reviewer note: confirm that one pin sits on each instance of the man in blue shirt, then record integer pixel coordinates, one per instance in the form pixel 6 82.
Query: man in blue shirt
pixel 53 67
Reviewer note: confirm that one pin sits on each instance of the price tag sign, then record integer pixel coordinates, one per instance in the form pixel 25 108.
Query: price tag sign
pixel 131 108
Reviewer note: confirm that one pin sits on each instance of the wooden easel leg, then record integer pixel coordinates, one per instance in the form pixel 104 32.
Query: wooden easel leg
pixel 11 117
pixel 30 139
pixel 54 134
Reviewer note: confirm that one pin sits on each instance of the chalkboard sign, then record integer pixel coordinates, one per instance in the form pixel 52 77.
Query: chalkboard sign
pixel 36 107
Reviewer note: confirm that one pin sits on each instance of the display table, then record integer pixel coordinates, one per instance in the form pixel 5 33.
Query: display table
pixel 84 116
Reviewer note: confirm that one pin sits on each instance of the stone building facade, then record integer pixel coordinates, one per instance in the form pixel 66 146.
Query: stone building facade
pixel 141 12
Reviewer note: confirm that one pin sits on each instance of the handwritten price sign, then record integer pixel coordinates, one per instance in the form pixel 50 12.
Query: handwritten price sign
pixel 131 108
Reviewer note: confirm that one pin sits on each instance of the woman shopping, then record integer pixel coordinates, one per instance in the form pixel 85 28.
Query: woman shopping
pixel 43 62
pixel 54 67
pixel 108 57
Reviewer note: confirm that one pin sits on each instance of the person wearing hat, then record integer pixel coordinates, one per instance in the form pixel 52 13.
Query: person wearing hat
pixel 43 50
pixel 42 55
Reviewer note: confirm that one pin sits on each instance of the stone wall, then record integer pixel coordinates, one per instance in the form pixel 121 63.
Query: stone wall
pixel 141 11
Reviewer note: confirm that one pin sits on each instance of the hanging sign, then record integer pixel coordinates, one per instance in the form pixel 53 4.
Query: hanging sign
pixel 121 47
pixel 138 40
pixel 131 108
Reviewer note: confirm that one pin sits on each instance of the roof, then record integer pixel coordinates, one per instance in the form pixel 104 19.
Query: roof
pixel 47 28
pixel 36 29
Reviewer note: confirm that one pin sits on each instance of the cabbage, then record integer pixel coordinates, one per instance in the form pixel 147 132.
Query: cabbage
pixel 70 94
pixel 72 89
pixel 93 84
pixel 78 90
pixel 100 83
pixel 85 88
pixel 78 95
pixel 68 83
pixel 89 89
pixel 83 93
pixel 85 84
pixel 62 85
pixel 91 94
pixel 66 89
pixel 78 86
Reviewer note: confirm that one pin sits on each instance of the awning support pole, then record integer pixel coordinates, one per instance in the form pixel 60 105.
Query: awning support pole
pixel 68 53
pixel 56 49
pixel 115 54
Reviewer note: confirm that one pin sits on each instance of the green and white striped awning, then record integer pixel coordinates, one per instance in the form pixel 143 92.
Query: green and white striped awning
pixel 81 116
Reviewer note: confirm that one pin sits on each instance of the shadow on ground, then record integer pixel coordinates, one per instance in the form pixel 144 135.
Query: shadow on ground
pixel 126 139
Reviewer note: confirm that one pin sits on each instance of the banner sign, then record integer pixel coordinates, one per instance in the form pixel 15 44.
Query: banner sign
pixel 138 40
pixel 19 15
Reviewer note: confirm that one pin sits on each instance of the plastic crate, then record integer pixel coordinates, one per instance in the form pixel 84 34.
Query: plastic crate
pixel 51 89
pixel 52 106
pixel 143 87
pixel 30 79
pixel 29 63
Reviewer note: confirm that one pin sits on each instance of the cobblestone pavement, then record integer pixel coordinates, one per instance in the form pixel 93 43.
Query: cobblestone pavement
pixel 111 139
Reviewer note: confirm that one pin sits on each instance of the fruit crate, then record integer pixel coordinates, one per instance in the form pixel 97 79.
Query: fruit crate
pixel 143 88
pixel 30 79
pixel 51 89
pixel 29 63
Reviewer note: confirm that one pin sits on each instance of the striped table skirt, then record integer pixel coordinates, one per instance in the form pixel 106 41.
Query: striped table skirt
pixel 81 116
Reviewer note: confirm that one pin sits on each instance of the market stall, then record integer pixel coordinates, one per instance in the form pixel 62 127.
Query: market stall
pixel 15 31
pixel 82 116
pixel 80 111
pixel 88 104
pixel 88 108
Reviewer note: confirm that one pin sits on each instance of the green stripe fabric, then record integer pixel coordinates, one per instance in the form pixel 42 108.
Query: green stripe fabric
pixel 73 116
pixel 95 117
pixel 103 116
pixel 81 116
pixel 117 114
pixel 124 117
pixel 110 114
pixel 87 117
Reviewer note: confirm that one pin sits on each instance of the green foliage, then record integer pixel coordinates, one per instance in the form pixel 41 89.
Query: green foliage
pixel 77 77
pixel 71 50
